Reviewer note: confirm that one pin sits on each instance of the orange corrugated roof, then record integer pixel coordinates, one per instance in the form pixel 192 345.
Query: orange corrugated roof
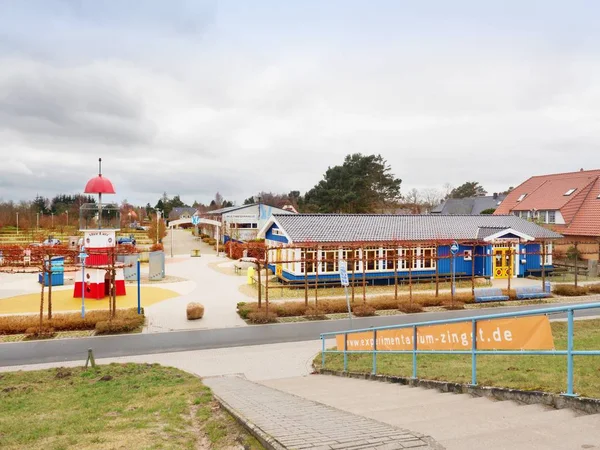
pixel 586 221
pixel 581 209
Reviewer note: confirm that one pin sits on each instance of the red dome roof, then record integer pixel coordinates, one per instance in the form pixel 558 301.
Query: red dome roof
pixel 99 185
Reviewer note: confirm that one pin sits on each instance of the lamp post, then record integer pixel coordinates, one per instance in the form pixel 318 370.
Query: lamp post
pixel 37 221
pixel 52 221
pixel 82 256
pixel 17 223
pixel 67 213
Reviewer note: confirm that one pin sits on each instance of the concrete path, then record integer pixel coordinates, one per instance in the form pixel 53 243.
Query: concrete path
pixel 255 362
pixel 456 421
pixel 296 423
pixel 218 292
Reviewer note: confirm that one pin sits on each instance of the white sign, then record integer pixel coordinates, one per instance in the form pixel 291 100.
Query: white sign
pixel 344 273
pixel 99 239
pixel 454 248
pixel 195 220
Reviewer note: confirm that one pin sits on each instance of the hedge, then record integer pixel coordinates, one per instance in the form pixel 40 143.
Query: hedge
pixel 128 318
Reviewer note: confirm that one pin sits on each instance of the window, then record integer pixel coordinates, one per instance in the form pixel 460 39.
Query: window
pixel 569 192
pixel 390 256
pixel 429 255
pixel 276 232
pixel 408 259
pixel 309 260
pixel 551 217
pixel 521 197
pixel 371 258
pixel 329 261
pixel 352 256
pixel 547 254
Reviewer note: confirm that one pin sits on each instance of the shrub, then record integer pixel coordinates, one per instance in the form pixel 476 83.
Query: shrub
pixel 430 301
pixel 569 290
pixel 194 311
pixel 157 248
pixel 383 303
pixel 333 306
pixel 246 308
pixel 594 288
pixel 117 326
pixel 408 308
pixel 211 241
pixel 363 310
pixel 313 313
pixel 37 333
pixel 290 309
pixel 64 321
pixel 456 306
pixel 261 317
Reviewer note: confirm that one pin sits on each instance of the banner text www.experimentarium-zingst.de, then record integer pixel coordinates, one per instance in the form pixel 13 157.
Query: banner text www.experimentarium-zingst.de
pixel 520 333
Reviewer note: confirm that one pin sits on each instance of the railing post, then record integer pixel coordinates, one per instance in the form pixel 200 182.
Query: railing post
pixel 374 370
pixel 473 354
pixel 570 354
pixel 345 352
pixel 414 354
pixel 322 352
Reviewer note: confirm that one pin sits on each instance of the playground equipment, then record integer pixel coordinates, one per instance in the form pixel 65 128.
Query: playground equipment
pixel 99 224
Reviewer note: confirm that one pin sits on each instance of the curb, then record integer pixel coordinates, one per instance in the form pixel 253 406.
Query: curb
pixel 267 441
pixel 584 405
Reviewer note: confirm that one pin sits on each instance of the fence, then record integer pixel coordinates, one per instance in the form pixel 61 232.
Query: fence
pixel 570 353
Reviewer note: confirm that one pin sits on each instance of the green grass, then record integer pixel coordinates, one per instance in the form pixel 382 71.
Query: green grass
pixel 544 373
pixel 133 406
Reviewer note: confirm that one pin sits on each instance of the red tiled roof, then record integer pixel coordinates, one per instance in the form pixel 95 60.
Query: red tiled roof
pixel 587 219
pixel 581 209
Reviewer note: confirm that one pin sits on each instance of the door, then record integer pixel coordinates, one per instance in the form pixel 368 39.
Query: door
pixel 278 265
pixel 502 263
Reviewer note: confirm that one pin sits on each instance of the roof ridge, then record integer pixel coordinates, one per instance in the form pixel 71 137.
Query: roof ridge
pixel 566 173
pixel 591 188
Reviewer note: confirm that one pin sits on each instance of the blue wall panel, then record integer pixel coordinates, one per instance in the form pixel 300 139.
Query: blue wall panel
pixel 275 237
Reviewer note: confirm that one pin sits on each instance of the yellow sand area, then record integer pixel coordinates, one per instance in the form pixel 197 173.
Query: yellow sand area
pixel 62 300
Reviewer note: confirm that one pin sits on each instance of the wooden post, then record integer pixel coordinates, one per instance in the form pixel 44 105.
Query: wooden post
pixel 473 248
pixel 259 283
pixel 364 274
pixel 317 277
pixel 267 281
pixel 543 266
pixel 437 270
pixel 452 280
pixel 510 257
pixel 42 296
pixel 396 273
pixel 49 287
pixel 410 264
pixel 576 262
pixel 305 261
pixel 353 272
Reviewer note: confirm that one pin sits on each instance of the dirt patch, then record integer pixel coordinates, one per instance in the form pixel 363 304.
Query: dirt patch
pixel 61 372
pixel 106 378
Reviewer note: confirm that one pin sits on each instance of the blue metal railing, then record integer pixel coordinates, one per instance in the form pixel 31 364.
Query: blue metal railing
pixel 570 353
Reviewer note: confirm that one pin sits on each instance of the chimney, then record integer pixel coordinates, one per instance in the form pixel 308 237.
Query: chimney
pixel 495 196
pixel 581 170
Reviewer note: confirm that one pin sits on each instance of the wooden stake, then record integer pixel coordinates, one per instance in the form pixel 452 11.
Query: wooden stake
pixel 259 284
pixel 396 274
pixel 473 249
pixel 364 275
pixel 267 280
pixel 437 271
pixel 305 279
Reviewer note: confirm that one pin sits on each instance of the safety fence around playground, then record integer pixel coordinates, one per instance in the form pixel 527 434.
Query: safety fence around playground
pixel 523 333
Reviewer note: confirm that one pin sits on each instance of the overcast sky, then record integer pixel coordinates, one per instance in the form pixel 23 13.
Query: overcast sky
pixel 194 97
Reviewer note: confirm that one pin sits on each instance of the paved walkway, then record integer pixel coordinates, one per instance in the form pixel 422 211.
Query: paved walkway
pixel 455 421
pixel 297 423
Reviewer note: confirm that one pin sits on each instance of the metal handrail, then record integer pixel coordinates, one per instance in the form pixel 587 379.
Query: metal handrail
pixel 569 352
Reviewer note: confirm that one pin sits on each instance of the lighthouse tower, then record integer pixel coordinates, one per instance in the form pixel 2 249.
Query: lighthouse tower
pixel 99 224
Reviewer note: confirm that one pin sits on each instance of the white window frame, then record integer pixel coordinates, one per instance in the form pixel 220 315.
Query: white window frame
pixel 522 197
pixel 570 192
pixel 553 217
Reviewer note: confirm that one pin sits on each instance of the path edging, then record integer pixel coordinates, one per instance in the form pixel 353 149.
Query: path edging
pixel 586 405
pixel 267 441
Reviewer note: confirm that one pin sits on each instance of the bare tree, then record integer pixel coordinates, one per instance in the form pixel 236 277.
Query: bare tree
pixel 431 197
pixel 412 196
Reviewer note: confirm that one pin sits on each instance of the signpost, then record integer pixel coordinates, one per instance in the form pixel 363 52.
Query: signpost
pixel 454 250
pixel 344 281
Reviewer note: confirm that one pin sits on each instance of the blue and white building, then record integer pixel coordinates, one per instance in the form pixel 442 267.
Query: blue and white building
pixel 309 246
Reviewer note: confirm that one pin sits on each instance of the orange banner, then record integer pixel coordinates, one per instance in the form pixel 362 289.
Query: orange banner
pixel 519 333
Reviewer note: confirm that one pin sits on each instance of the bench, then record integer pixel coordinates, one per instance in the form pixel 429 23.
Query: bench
pixel 531 292
pixel 489 295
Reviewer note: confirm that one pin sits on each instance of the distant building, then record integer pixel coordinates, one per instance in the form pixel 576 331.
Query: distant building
pixel 241 223
pixel 568 203
pixel 469 205
pixel 181 213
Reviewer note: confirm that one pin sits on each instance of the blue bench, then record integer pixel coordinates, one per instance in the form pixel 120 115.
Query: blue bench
pixel 531 292
pixel 489 295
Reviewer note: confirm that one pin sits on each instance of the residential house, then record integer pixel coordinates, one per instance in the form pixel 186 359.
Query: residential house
pixel 568 203
pixel 468 205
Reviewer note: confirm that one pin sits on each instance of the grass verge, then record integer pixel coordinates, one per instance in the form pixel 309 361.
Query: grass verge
pixel 131 406
pixel 543 373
